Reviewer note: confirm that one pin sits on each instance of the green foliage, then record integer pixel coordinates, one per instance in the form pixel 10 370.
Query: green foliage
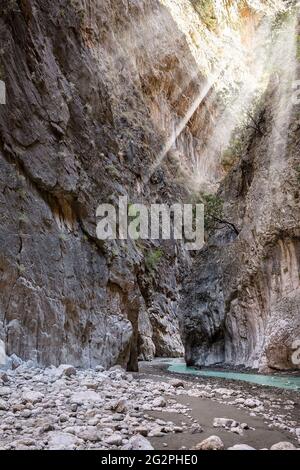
pixel 281 18
pixel 81 15
pixel 298 47
pixel 22 192
pixel 77 5
pixel 206 11
pixel 11 6
pixel 114 253
pixel 23 218
pixel 21 268
pixel 235 149
pixel 251 125
pixel 153 258
pixel 63 237
pixel 213 208
pixel 112 170
pixel 231 155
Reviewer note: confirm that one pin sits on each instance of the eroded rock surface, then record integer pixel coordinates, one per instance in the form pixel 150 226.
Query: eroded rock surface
pixel 241 302
pixel 95 89
pixel 79 128
pixel 114 409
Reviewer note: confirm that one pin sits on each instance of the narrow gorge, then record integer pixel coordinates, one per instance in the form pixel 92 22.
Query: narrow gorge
pixel 164 102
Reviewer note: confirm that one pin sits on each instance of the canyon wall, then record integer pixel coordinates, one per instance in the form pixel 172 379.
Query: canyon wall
pixel 241 303
pixel 98 92
pixel 78 130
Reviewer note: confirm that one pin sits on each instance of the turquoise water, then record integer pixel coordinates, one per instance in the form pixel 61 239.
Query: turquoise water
pixel 290 382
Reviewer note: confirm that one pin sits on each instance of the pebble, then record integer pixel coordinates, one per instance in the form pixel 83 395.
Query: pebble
pixel 241 447
pixel 138 443
pixel 252 403
pixel 176 383
pixel 3 405
pixel 283 446
pixel 114 440
pixel 32 397
pixel 211 443
pixel 159 402
pixel 62 441
pixel 64 408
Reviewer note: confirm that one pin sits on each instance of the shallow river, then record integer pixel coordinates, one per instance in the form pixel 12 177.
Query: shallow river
pixel 287 381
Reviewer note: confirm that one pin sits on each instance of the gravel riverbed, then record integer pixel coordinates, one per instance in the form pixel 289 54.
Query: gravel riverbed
pixel 64 408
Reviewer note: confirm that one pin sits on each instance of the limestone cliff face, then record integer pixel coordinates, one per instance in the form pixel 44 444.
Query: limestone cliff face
pixel 79 129
pixel 97 92
pixel 241 302
pixel 95 89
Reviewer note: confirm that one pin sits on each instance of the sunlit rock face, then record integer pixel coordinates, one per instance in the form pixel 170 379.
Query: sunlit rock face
pixel 229 42
pixel 241 304
pixel 98 92
pixel 79 129
pixel 265 317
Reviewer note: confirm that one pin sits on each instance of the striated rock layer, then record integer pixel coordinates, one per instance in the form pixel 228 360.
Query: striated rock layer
pixel 79 128
pixel 97 91
pixel 241 303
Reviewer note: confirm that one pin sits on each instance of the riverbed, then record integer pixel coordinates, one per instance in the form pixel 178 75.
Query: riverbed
pixel 225 396
pixel 289 382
